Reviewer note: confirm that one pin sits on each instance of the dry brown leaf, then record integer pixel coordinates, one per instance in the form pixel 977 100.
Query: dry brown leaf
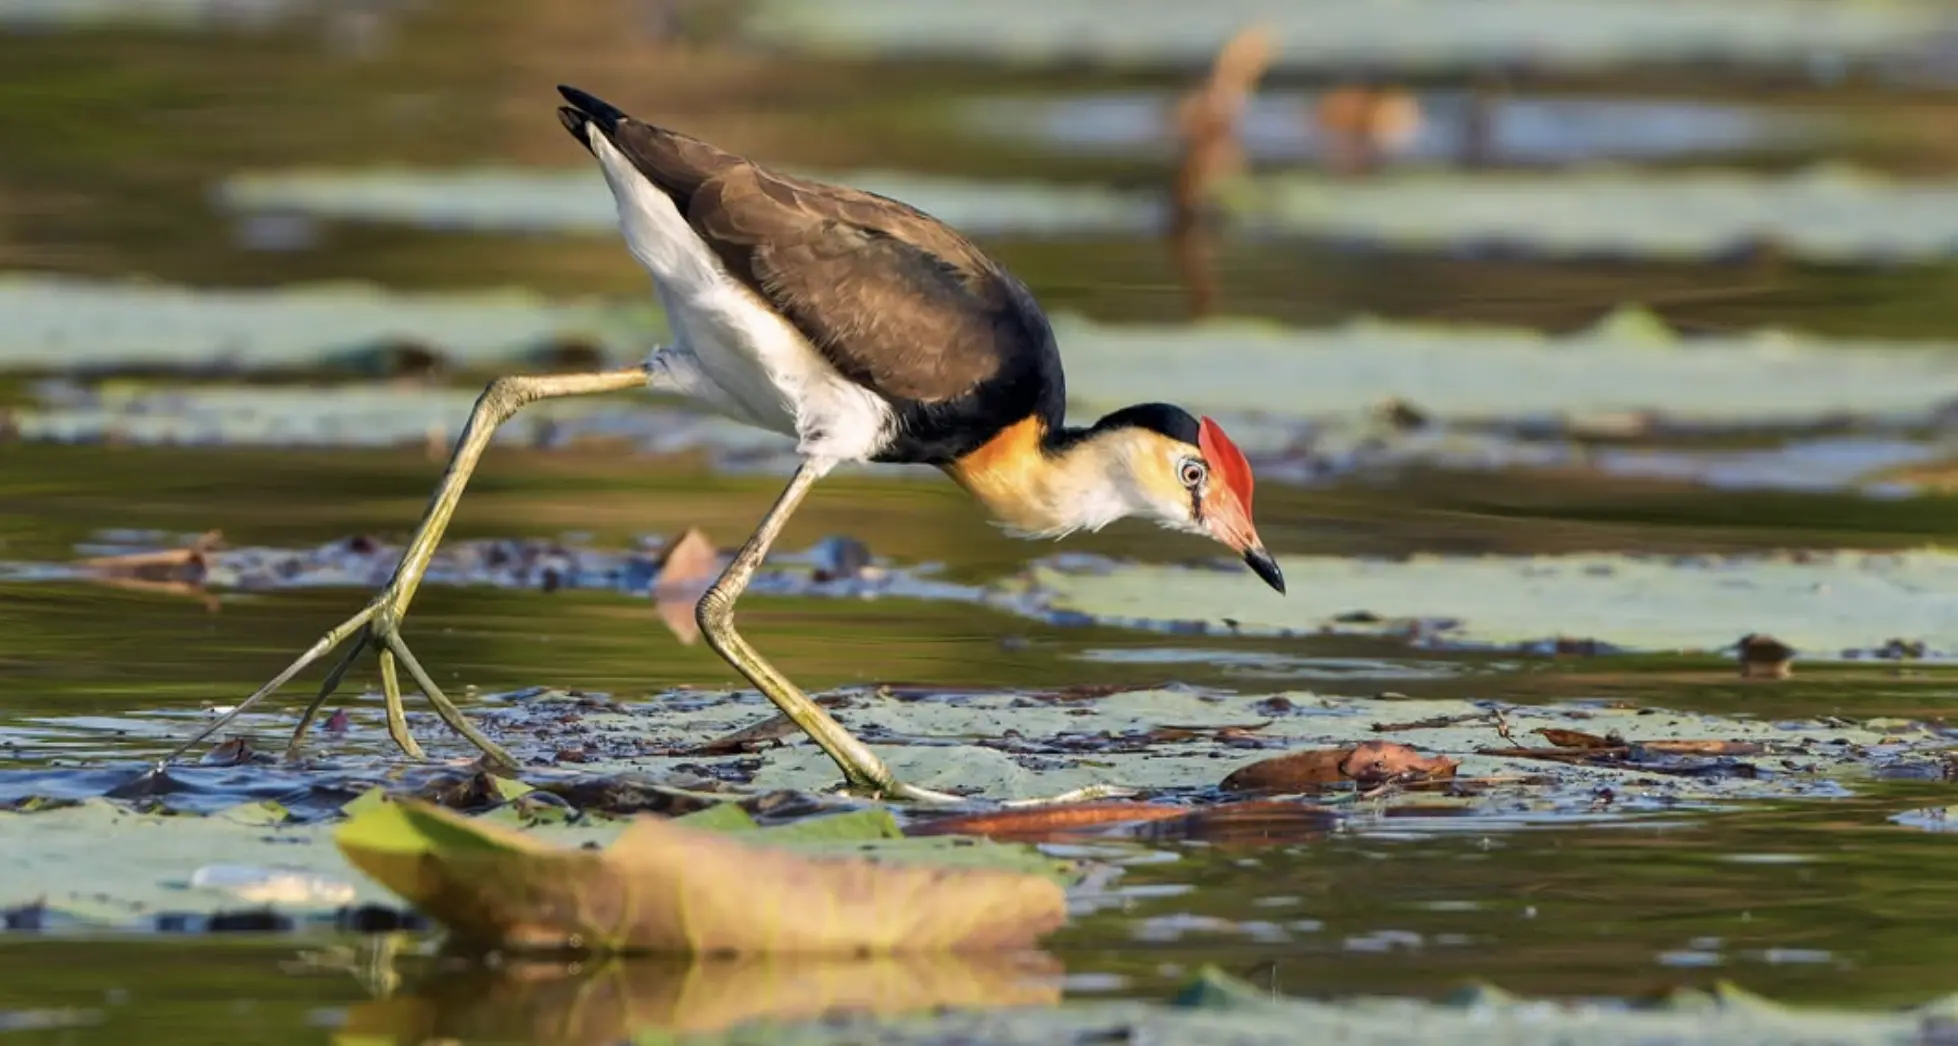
pixel 1381 762
pixel 670 888
pixel 678 614
pixel 690 562
pixel 187 565
pixel 1577 739
pixel 1578 756
pixel 1368 764
pixel 1703 747
pixel 1292 772
pixel 1432 723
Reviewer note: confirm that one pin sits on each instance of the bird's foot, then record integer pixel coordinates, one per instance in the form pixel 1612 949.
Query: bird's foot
pixel 377 625
pixel 891 788
pixel 1088 794
pixel 915 794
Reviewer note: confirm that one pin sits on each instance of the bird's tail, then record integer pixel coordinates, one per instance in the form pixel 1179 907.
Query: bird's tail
pixel 673 161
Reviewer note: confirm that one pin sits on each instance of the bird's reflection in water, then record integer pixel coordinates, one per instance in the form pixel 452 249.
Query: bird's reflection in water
pixel 612 1000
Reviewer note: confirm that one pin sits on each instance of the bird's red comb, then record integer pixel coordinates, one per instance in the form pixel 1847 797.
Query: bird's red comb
pixel 1226 461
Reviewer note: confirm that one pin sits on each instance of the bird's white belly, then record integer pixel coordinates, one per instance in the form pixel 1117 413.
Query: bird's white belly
pixel 737 356
pixel 730 350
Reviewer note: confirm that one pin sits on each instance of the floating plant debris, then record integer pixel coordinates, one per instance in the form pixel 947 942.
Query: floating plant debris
pixel 1369 764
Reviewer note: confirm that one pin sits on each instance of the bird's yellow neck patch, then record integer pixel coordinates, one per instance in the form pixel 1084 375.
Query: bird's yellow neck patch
pixel 1087 486
pixel 1011 475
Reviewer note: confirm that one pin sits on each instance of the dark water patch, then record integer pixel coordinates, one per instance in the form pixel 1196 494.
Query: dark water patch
pixel 833 567
pixel 1832 605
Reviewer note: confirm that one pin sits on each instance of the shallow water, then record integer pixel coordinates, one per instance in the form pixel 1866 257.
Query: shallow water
pixel 1558 518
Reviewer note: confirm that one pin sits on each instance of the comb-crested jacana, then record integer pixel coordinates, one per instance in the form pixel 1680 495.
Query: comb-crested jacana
pixel 865 330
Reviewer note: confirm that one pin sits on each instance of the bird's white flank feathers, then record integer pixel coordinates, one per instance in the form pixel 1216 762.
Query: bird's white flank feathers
pixel 730 350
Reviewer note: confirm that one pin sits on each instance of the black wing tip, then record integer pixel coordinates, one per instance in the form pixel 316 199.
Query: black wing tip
pixel 574 121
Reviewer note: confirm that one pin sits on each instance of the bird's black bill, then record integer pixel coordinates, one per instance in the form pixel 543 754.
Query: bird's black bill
pixel 1265 567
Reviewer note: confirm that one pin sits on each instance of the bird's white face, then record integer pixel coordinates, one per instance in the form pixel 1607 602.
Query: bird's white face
pixel 1202 488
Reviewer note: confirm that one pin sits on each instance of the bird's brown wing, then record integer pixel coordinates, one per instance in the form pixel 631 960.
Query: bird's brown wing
pixel 893 298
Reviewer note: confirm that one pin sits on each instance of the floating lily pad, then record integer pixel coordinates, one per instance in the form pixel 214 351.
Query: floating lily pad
pixel 175 14
pixel 664 886
pixel 1629 369
pixel 1004 746
pixel 1628 363
pixel 575 200
pixel 1821 603
pixel 1285 448
pixel 1343 33
pixel 1829 214
pixel 64 322
pixel 97 862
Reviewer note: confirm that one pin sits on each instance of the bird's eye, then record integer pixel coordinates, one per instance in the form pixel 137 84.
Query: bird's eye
pixel 1191 472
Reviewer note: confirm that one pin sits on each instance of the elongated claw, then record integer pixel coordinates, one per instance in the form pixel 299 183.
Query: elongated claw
pixel 334 637
pixel 370 627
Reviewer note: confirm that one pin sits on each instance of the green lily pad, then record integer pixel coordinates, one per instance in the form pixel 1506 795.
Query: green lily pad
pixel 575 200
pixel 1341 33
pixel 64 322
pixel 1821 603
pixel 1826 213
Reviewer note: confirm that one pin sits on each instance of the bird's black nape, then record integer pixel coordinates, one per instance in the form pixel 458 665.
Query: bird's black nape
pixel 586 108
pixel 1163 418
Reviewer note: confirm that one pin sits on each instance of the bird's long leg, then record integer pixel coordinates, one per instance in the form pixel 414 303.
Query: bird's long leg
pixel 860 766
pixel 379 623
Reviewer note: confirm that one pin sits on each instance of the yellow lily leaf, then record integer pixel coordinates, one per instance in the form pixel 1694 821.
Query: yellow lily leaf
pixel 667 887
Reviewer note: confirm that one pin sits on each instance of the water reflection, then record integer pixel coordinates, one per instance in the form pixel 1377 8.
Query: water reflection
pixel 569 1002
